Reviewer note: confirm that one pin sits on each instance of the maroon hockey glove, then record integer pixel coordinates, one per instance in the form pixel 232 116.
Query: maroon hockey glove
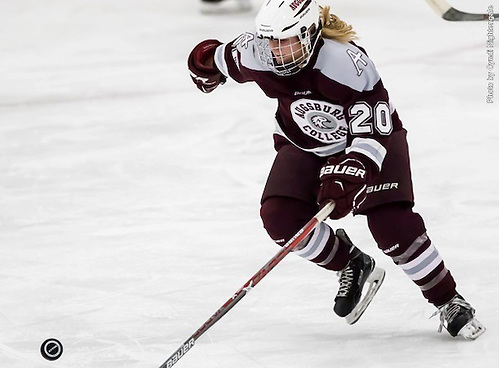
pixel 204 73
pixel 344 181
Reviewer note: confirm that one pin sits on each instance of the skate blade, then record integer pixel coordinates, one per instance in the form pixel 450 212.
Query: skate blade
pixel 374 281
pixel 472 330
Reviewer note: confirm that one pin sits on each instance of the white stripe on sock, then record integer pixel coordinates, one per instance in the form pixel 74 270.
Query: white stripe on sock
pixel 422 265
pixel 316 244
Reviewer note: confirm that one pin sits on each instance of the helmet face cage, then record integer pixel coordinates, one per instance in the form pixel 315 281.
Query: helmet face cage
pixel 287 32
pixel 288 56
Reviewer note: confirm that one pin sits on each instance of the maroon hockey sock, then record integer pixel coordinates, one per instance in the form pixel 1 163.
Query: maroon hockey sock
pixel 325 249
pixel 401 234
pixel 284 216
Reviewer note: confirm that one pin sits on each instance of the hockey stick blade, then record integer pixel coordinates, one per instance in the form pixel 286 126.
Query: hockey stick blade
pixel 455 15
pixel 296 240
pixel 447 12
pixel 374 281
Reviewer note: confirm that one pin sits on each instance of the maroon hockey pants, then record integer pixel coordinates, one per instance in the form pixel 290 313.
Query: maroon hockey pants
pixel 289 201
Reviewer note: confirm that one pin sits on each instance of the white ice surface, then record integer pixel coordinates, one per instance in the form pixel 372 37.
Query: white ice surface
pixel 129 200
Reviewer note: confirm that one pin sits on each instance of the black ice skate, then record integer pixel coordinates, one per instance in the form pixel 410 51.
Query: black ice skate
pixel 360 270
pixel 458 318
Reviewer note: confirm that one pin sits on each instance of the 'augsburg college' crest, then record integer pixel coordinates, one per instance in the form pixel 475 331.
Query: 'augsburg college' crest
pixel 320 120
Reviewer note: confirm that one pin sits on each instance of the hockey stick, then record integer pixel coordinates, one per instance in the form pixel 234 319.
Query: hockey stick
pixel 449 13
pixel 251 283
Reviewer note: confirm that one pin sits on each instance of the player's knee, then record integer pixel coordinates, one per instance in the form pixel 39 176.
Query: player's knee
pixel 395 224
pixel 283 216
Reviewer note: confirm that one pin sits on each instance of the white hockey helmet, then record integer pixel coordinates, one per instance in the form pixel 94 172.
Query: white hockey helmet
pixel 287 32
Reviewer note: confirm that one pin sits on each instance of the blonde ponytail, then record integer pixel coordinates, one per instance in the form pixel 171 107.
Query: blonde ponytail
pixel 334 28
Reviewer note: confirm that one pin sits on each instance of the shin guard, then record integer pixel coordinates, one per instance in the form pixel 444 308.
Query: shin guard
pixel 283 216
pixel 401 234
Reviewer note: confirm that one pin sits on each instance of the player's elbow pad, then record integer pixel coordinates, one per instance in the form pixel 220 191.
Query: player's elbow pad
pixel 202 68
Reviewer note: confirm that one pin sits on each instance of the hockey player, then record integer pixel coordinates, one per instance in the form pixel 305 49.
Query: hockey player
pixel 225 6
pixel 338 137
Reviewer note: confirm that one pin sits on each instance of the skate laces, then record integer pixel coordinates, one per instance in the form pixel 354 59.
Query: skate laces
pixel 450 310
pixel 346 280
